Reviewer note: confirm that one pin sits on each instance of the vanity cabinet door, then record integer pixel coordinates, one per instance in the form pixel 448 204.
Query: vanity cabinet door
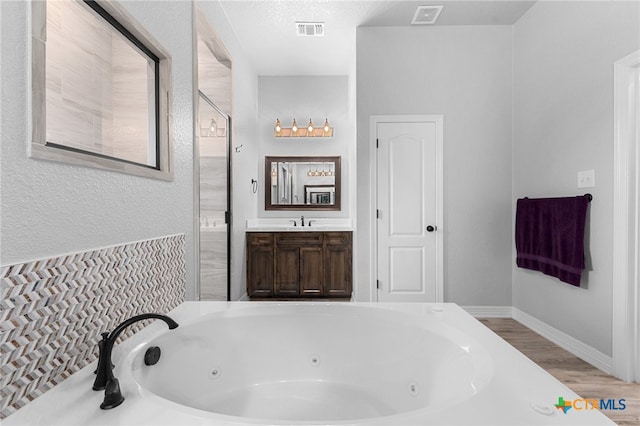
pixel 287 270
pixel 260 261
pixel 338 280
pixel 311 270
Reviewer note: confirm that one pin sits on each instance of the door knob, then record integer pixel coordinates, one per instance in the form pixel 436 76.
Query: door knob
pixel 431 228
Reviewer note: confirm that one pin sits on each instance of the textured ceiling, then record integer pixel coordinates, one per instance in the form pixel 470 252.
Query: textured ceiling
pixel 266 28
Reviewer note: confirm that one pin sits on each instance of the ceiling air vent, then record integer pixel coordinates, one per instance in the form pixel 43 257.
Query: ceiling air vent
pixel 311 29
pixel 426 15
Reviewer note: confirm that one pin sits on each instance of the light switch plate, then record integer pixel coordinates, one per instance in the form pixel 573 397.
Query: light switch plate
pixel 587 179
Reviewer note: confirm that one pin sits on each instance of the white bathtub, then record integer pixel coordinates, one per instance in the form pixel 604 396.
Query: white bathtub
pixel 315 363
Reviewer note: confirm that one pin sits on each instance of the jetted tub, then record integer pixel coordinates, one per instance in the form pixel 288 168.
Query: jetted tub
pixel 315 363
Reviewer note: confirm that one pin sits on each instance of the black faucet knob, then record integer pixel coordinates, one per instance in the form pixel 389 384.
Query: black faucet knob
pixel 112 395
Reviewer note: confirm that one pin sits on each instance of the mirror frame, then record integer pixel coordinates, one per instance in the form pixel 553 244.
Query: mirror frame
pixel 269 160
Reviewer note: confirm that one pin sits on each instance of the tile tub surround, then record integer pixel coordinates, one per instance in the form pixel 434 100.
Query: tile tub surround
pixel 53 310
pixel 503 401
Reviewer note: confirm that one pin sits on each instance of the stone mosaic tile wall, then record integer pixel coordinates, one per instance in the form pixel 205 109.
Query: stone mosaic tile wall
pixel 52 311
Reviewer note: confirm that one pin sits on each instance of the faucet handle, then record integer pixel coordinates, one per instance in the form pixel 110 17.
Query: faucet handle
pixel 112 395
pixel 101 344
pixel 294 222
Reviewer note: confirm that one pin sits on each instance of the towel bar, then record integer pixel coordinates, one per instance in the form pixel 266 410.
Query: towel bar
pixel 589 196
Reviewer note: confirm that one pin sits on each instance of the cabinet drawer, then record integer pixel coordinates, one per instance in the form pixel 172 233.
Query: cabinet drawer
pixel 298 238
pixel 260 238
pixel 337 237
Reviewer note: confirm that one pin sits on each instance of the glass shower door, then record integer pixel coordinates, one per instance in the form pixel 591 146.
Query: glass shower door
pixel 214 200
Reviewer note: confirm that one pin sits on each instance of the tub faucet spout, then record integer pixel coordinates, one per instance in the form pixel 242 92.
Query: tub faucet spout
pixel 104 373
pixel 301 220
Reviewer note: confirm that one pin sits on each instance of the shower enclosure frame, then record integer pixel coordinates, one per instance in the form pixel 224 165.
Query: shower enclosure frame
pixel 228 212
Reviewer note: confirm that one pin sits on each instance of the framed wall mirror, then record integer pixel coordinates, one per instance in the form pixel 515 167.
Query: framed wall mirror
pixel 302 183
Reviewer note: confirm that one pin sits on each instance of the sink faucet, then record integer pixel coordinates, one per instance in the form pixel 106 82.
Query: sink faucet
pixel 105 378
pixel 301 220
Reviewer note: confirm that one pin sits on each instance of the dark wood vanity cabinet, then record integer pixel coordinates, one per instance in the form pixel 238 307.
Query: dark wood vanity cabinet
pixel 299 264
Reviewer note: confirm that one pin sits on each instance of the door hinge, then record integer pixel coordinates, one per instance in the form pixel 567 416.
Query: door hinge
pixel 227 217
pixel 377 143
pixel 377 214
pixel 378 284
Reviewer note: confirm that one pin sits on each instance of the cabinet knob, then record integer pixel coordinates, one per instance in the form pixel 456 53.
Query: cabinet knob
pixel 431 228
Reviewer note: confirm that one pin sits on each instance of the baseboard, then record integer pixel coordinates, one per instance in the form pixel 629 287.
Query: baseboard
pixel 489 311
pixel 585 352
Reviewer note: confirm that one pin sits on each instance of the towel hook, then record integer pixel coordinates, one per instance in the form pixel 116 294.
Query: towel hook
pixel 254 185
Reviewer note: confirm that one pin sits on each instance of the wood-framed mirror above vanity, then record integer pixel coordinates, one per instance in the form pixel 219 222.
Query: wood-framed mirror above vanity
pixel 300 261
pixel 302 183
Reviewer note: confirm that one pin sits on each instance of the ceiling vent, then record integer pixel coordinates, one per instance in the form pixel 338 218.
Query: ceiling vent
pixel 426 15
pixel 310 29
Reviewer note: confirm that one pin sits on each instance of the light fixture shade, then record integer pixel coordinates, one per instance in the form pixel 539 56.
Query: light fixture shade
pixel 327 130
pixel 278 127
pixel 310 128
pixel 213 128
pixel 294 126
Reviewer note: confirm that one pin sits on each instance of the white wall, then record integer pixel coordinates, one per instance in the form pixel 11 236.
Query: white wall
pixel 304 97
pixel 49 208
pixel 563 123
pixel 464 73
pixel 245 163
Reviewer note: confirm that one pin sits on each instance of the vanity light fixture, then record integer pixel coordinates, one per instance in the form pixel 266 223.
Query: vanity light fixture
pixel 310 131
pixel 315 173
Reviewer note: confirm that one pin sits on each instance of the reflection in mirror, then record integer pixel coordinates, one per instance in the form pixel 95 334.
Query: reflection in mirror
pixel 102 95
pixel 302 183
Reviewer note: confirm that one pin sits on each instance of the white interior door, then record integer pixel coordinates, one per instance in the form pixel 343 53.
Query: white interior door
pixel 409 209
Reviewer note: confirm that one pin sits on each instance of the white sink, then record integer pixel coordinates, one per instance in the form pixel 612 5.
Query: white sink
pixel 286 225
pixel 272 228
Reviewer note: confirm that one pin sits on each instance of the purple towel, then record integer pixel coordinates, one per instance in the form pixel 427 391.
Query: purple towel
pixel 550 236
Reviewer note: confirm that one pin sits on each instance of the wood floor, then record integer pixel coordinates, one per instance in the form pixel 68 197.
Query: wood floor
pixel 584 379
